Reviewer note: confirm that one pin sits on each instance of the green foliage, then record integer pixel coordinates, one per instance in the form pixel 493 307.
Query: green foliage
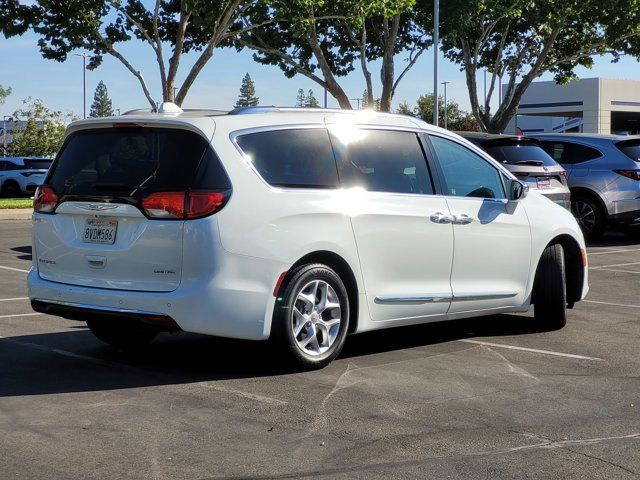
pixel 457 119
pixel 42 133
pixel 101 106
pixel 301 98
pixel 311 101
pixel 4 93
pixel 522 39
pixel 247 97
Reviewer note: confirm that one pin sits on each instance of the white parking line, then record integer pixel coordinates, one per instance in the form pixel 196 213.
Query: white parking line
pixel 616 270
pixel 532 350
pixel 12 299
pixel 615 265
pixel 14 269
pixel 612 304
pixel 614 251
pixel 21 315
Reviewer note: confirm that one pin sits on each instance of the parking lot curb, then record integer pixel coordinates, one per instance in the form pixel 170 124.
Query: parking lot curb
pixel 16 214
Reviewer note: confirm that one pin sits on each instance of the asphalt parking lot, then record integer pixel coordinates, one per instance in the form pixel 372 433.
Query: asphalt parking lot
pixel 491 397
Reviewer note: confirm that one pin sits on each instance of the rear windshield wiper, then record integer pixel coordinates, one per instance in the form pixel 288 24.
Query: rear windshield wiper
pixel 115 187
pixel 534 163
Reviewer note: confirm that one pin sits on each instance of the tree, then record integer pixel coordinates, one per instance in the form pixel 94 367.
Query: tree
pixel 301 98
pixel 4 93
pixel 101 106
pixel 457 119
pixel 247 97
pixel 42 133
pixel 336 36
pixel 101 26
pixel 311 101
pixel 522 39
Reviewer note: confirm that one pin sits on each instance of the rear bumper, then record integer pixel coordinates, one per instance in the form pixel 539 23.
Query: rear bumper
pixel 75 311
pixel 235 300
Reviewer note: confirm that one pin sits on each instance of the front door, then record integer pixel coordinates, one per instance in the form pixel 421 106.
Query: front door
pixel 492 238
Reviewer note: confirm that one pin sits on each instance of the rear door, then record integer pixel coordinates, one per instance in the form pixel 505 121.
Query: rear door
pixel 99 235
pixel 492 238
pixel 402 230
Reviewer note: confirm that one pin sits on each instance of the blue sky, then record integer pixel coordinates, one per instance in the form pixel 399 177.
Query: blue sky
pixel 60 84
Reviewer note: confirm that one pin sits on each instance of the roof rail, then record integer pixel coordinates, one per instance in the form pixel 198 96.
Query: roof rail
pixel 272 108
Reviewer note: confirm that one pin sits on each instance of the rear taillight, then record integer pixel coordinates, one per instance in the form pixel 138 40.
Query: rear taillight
pixel 632 174
pixel 45 200
pixel 182 205
pixel 565 175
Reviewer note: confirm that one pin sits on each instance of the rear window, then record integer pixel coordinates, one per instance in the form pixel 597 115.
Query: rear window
pixel 135 162
pixel 631 148
pixel 296 158
pixel 567 153
pixel 519 153
pixel 37 164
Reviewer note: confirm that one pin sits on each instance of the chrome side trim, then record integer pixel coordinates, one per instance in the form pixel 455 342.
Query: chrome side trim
pixel 465 297
pixel 412 298
pixel 98 308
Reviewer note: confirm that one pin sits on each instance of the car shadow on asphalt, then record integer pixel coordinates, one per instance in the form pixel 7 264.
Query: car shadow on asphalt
pixel 24 251
pixel 74 361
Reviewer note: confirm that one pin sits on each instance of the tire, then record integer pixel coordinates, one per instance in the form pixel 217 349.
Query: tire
pixel 550 289
pixel 10 189
pixel 122 333
pixel 590 216
pixel 307 335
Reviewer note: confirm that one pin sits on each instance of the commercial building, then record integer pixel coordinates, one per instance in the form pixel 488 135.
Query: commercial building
pixel 589 105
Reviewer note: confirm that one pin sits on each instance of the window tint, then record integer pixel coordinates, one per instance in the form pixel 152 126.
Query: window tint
pixel 465 173
pixel 105 161
pixel 519 153
pixel 33 163
pixel 299 158
pixel 6 166
pixel 569 153
pixel 631 148
pixel 381 161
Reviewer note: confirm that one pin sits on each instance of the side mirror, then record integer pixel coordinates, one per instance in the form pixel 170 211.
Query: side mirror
pixel 517 190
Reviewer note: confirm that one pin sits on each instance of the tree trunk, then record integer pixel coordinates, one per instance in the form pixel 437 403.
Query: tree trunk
pixel 387 71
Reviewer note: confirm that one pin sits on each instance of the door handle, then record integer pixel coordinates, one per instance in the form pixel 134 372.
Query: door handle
pixel 462 219
pixel 440 217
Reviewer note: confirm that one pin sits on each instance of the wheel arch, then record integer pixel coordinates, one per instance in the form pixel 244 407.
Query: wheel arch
pixel 573 265
pixel 344 271
pixel 587 192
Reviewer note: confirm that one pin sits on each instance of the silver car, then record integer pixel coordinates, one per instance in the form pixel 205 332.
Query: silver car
pixel 604 178
pixel 525 158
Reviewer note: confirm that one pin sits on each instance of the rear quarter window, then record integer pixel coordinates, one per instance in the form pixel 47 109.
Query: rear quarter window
pixel 295 158
pixel 631 148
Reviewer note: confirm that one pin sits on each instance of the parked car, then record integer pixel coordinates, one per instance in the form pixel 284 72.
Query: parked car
pixel 525 158
pixel 21 175
pixel 604 178
pixel 293 225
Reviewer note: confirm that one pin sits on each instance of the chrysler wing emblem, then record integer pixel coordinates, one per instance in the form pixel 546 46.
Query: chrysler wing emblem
pixel 97 207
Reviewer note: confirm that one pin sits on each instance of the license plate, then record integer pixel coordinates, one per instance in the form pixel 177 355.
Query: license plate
pixel 100 231
pixel 544 182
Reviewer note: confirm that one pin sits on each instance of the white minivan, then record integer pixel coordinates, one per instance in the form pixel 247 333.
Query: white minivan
pixel 298 226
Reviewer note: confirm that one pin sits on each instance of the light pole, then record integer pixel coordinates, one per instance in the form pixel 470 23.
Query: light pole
pixel 357 100
pixel 445 103
pixel 436 43
pixel 325 97
pixel 84 81
pixel 4 133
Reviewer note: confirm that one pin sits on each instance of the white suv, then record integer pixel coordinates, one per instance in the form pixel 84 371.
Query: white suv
pixel 297 226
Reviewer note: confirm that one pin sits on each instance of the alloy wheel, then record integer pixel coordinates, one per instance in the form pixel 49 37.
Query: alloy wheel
pixel 585 215
pixel 316 318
